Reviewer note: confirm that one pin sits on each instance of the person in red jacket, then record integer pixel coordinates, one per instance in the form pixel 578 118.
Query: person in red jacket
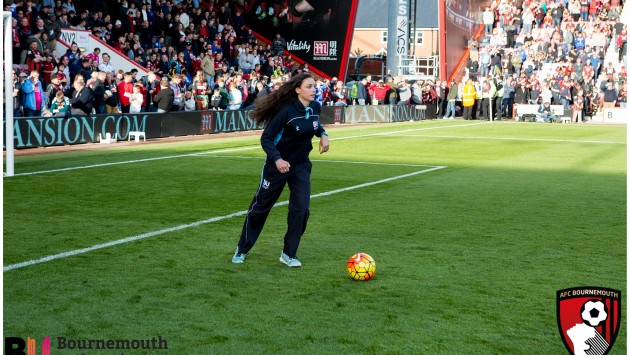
pixel 125 89
pixel 380 91
pixel 370 88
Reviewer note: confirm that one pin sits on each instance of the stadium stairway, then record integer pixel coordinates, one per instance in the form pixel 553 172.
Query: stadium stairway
pixel 612 56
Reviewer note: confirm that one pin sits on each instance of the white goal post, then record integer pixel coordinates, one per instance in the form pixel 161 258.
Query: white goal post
pixel 7 59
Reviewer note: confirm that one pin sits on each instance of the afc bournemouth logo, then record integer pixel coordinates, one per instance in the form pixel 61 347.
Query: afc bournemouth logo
pixel 588 319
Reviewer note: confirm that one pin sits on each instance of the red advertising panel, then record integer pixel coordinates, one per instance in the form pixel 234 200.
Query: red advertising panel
pixel 461 21
pixel 316 32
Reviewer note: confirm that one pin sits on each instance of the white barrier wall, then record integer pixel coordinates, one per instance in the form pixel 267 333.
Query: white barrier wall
pixel 615 115
pixel 85 39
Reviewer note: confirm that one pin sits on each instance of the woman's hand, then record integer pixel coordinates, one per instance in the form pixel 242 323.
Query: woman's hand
pixel 283 166
pixel 323 144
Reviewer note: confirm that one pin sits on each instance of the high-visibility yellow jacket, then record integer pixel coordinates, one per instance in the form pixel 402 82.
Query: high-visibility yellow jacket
pixel 468 96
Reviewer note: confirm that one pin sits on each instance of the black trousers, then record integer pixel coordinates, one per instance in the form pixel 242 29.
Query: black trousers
pixel 498 108
pixel 441 103
pixel 468 110
pixel 271 185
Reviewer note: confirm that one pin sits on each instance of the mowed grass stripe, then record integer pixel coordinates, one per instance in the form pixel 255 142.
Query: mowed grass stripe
pixel 135 161
pixel 199 223
pixel 509 139
pixel 227 150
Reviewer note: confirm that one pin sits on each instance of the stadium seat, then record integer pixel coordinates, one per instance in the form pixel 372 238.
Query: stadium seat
pixel 109 138
pixel 137 135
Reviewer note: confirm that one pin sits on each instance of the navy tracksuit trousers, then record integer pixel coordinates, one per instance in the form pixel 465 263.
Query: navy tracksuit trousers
pixel 271 185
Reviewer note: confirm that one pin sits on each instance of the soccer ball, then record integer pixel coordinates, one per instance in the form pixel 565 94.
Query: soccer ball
pixel 361 267
pixel 593 312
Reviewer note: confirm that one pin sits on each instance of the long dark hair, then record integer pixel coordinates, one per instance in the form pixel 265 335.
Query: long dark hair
pixel 266 107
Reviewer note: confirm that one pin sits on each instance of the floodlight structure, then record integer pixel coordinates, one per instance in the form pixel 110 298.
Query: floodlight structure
pixel 7 61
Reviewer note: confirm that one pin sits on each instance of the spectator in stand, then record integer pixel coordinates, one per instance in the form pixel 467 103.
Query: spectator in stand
pixel 487 94
pixel 246 61
pixel 34 57
pixel 165 97
pixel 278 44
pixel 468 99
pixel 207 65
pixel 404 93
pixel 224 94
pixel 508 97
pixel 85 68
pixel 47 68
pixel 546 114
pixel 380 92
pixel 621 43
pixel 622 100
pixel 392 93
pixel 34 98
pixel 105 65
pixel 136 100
pixel 578 107
pixel 94 56
pixel 60 106
pixel 178 92
pixel 111 94
pixel 235 97
pixel 98 89
pixel 53 88
pixel 338 93
pixel 451 99
pixel 82 100
pixel 125 89
pixel 362 94
pixel 201 90
pixel 152 87
pixel 24 32
pixel 610 95
pixel 488 20
pixel 441 89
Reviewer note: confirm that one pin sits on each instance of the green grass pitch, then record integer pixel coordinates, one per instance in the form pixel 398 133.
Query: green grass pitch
pixel 473 226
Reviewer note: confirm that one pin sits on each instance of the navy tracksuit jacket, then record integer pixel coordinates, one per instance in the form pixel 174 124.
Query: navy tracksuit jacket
pixel 287 136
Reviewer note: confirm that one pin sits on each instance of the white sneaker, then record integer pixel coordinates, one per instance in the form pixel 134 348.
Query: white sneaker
pixel 238 258
pixel 258 10
pixel 290 262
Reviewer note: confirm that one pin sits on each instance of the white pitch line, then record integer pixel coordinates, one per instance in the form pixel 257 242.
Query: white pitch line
pixel 318 160
pixel 199 223
pixel 511 139
pixel 227 150
pixel 410 130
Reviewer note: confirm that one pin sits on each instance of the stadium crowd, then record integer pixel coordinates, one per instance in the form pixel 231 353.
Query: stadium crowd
pixel 535 52
pixel 543 53
pixel 201 56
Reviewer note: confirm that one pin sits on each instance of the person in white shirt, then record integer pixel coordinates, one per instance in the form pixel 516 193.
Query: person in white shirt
pixel 246 61
pixel 136 100
pixel 235 97
pixel 546 94
pixel 106 66
pixel 184 19
pixel 189 101
pixel 488 20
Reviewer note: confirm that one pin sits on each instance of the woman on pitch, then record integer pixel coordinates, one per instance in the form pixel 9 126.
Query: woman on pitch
pixel 292 119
